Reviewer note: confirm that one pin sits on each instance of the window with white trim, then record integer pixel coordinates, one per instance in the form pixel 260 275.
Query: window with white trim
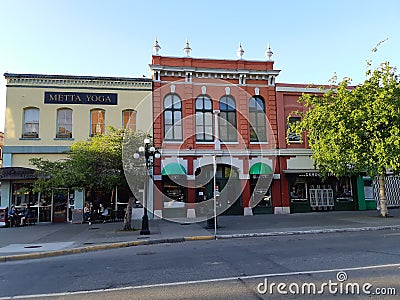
pixel 97 121
pixel 257 119
pixel 293 137
pixel 227 120
pixel 64 123
pixel 172 117
pixel 31 123
pixel 204 119
pixel 129 119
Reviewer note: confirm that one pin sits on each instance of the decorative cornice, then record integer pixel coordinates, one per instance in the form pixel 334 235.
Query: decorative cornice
pixel 295 152
pixel 214 73
pixel 292 89
pixel 234 152
pixel 40 80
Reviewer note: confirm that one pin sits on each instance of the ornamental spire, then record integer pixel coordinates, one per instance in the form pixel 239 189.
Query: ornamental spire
pixel 156 47
pixel 240 51
pixel 268 53
pixel 187 49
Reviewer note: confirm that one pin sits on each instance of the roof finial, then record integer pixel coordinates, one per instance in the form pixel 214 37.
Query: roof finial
pixel 187 49
pixel 156 47
pixel 240 51
pixel 268 53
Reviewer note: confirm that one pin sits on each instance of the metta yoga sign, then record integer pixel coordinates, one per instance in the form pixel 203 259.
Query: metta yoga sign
pixel 80 98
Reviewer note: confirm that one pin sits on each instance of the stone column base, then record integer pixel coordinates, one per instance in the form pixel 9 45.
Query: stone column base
pixel 157 214
pixel 248 211
pixel 285 210
pixel 191 213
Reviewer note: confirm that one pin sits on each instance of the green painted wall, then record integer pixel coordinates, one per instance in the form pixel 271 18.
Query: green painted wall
pixel 360 193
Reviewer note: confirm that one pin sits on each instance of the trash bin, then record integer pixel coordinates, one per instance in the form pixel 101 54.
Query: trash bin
pixel 3 216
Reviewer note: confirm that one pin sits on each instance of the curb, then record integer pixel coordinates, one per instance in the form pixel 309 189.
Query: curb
pixel 36 255
pixel 299 232
pixel 199 238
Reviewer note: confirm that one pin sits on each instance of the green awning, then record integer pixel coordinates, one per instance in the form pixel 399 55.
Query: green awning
pixel 260 168
pixel 173 169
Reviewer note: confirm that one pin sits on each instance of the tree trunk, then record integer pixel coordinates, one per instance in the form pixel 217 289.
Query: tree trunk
pixel 382 196
pixel 128 215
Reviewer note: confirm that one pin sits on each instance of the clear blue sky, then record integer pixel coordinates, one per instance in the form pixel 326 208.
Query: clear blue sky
pixel 310 39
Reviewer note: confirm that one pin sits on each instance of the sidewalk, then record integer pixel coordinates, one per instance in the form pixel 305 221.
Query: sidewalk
pixel 44 240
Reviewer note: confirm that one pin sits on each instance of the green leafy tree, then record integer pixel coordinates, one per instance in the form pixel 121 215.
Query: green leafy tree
pixel 355 129
pixel 94 165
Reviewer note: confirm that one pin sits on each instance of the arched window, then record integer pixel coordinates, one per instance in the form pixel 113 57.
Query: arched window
pixel 257 119
pixel 31 123
pixel 227 120
pixel 204 119
pixel 172 118
pixel 129 119
pixel 97 121
pixel 64 123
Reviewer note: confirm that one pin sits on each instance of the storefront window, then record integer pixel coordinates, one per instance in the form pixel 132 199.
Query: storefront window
pixel 260 186
pixel 298 191
pixel 369 189
pixel 175 193
pixel 343 190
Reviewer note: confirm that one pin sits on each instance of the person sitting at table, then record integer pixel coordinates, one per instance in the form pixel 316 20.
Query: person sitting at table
pixel 12 216
pixel 28 214
pixel 87 213
pixel 103 212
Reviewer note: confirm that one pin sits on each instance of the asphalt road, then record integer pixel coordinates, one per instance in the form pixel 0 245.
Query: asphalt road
pixel 222 269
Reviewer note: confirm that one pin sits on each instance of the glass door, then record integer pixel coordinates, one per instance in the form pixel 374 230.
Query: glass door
pixel 60 204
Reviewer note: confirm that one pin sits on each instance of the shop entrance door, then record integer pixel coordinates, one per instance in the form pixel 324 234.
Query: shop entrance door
pixel 228 189
pixel 60 204
pixel 231 195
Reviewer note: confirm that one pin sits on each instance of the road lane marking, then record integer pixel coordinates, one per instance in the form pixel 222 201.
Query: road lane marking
pixel 391 234
pixel 168 284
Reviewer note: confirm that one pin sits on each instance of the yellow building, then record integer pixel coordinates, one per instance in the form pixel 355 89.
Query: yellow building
pixel 45 114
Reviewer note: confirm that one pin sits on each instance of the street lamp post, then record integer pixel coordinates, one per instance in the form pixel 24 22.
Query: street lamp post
pixel 149 152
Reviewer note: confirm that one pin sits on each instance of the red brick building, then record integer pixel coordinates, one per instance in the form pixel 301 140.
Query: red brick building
pixel 302 188
pixel 206 108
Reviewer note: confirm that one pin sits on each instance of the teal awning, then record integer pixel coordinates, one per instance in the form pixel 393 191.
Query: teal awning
pixel 260 168
pixel 173 169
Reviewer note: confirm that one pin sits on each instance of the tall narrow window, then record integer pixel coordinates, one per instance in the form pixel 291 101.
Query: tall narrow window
pixel 31 123
pixel 129 119
pixel 97 117
pixel 64 123
pixel 258 132
pixel 204 119
pixel 172 118
pixel 227 120
pixel 293 137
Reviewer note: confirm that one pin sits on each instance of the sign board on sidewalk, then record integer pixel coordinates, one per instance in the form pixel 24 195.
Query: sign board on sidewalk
pixel 77 216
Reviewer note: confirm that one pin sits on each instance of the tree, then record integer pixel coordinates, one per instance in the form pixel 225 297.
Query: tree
pixel 93 165
pixel 356 129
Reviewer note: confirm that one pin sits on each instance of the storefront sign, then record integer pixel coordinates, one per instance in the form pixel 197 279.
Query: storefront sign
pixel 80 98
pixel 14 173
pixel 309 174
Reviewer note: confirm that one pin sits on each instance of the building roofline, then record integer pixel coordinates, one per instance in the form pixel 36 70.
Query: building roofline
pixel 216 59
pixel 47 76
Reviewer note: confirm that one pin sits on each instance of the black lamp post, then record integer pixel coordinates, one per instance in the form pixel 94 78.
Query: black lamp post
pixel 148 152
